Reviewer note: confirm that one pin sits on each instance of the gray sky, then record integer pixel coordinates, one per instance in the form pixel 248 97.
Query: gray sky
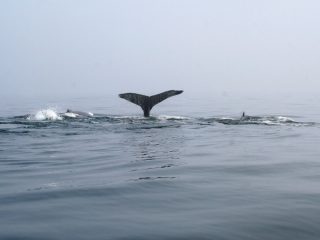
pixel 97 47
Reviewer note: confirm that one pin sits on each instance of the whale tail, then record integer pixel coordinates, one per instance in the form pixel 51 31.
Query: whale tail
pixel 146 102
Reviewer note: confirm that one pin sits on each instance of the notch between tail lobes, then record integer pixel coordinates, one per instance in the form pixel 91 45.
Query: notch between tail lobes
pixel 148 102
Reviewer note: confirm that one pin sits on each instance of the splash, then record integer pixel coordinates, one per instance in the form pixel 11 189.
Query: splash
pixel 45 114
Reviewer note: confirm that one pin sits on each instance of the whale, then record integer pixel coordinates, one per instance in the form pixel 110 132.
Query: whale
pixel 245 117
pixel 73 113
pixel 148 102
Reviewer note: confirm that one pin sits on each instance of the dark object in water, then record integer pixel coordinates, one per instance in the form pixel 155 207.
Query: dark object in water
pixel 146 102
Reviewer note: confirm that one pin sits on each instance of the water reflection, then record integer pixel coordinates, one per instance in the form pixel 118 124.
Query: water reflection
pixel 153 153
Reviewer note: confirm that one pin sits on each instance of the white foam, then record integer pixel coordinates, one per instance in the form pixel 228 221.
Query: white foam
pixel 285 119
pixel 166 117
pixel 129 117
pixel 45 114
pixel 227 118
pixel 268 122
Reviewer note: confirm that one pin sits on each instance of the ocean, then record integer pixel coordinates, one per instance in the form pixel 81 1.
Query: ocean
pixel 196 169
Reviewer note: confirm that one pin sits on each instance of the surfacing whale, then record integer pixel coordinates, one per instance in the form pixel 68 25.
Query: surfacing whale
pixel 72 113
pixel 246 117
pixel 146 102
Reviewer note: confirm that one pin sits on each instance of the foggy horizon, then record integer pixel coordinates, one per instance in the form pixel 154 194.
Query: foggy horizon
pixel 108 47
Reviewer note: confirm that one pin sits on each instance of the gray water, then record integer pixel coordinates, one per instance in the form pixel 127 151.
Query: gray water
pixel 194 170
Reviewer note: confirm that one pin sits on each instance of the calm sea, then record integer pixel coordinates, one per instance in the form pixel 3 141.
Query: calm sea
pixel 195 170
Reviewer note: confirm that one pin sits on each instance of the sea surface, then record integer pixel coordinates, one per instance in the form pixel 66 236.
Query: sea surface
pixel 196 169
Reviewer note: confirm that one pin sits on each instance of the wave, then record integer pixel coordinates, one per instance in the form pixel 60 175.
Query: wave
pixel 256 120
pixel 166 117
pixel 139 119
pixel 51 115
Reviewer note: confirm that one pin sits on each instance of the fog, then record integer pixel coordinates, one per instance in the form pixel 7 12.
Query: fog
pixel 104 47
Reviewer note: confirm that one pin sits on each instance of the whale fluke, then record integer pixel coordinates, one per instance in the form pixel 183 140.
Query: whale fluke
pixel 146 102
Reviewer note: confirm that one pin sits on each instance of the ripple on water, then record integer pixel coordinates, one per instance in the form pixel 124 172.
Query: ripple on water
pixel 187 178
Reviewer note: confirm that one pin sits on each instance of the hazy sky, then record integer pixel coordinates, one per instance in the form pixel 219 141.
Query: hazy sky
pixel 97 47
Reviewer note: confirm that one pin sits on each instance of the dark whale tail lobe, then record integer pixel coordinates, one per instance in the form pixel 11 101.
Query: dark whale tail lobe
pixel 146 102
